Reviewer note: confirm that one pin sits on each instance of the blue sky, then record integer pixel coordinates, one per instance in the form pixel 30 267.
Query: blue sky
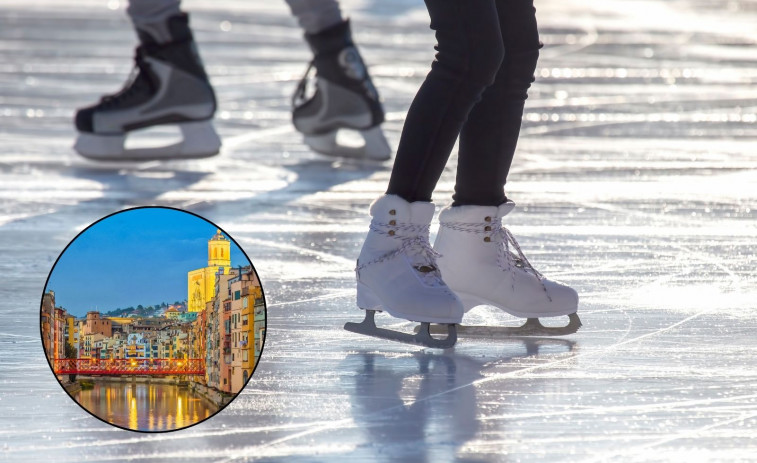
pixel 140 256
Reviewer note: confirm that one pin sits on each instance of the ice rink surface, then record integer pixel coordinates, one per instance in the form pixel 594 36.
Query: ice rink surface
pixel 635 181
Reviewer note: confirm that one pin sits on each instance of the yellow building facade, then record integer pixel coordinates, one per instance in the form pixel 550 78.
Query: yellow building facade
pixel 201 282
pixel 72 331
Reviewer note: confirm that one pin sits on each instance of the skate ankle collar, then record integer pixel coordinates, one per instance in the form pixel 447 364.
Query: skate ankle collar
pixel 393 207
pixel 475 214
pixel 152 49
pixel 331 40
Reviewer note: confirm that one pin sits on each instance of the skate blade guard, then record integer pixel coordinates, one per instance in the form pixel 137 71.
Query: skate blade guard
pixel 532 327
pixel 421 337
pixel 374 146
pixel 199 140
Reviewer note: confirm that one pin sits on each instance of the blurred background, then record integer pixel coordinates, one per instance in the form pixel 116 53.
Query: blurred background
pixel 635 182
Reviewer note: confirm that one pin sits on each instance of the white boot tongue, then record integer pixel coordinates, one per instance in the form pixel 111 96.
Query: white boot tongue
pixel 421 213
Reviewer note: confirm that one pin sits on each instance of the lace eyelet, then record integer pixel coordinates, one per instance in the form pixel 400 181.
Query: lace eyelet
pixel 392 222
pixel 487 219
pixel 487 239
pixel 391 232
pixel 487 228
pixel 392 212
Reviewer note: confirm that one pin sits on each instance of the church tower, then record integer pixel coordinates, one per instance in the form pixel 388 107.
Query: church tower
pixel 201 283
pixel 218 251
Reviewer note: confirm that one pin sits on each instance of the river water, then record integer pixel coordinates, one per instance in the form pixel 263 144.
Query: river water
pixel 145 406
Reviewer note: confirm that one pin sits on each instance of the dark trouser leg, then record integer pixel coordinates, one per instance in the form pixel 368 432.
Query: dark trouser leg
pixel 469 53
pixel 315 16
pixel 489 137
pixel 151 17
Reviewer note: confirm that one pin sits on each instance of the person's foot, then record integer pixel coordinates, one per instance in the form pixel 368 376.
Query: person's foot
pixel 344 98
pixel 168 86
pixel 484 265
pixel 397 271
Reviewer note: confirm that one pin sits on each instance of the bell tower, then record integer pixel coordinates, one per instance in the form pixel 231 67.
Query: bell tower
pixel 218 251
pixel 201 283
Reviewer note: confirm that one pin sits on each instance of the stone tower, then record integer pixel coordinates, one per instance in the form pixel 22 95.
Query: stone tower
pixel 218 251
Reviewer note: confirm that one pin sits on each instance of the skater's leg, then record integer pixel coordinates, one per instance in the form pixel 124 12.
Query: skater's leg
pixel 344 96
pixel 481 260
pixel 489 137
pixel 150 16
pixel 315 16
pixel 389 269
pixel 397 273
pixel 168 86
pixel 469 54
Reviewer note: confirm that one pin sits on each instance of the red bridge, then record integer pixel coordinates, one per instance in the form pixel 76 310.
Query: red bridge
pixel 154 367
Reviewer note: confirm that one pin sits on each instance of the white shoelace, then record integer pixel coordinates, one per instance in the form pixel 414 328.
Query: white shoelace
pixel 415 242
pixel 509 254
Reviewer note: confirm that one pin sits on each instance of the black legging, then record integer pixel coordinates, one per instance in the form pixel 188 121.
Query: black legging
pixel 485 61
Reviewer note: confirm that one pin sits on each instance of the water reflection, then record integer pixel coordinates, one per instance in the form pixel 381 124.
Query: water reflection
pixel 423 407
pixel 145 406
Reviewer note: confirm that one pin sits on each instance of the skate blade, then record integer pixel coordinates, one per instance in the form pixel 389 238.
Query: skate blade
pixel 422 337
pixel 199 140
pixel 532 327
pixel 375 147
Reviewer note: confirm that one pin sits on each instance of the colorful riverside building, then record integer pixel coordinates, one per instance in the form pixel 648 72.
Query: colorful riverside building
pixel 58 328
pixel 217 345
pixel 201 283
pixel 246 307
pixel 47 319
pixel 172 313
pixel 234 330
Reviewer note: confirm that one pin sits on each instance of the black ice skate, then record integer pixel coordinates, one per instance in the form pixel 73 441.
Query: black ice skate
pixel 168 86
pixel 344 99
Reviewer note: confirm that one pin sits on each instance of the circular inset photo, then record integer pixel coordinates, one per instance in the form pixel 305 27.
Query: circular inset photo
pixel 153 319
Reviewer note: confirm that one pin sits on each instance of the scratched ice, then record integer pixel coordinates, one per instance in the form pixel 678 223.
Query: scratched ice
pixel 636 183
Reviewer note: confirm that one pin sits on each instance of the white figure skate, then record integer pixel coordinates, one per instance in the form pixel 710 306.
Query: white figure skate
pixel 344 100
pixel 168 86
pixel 397 273
pixel 484 265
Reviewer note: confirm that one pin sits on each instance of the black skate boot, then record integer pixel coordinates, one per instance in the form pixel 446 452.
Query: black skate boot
pixel 344 98
pixel 168 86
